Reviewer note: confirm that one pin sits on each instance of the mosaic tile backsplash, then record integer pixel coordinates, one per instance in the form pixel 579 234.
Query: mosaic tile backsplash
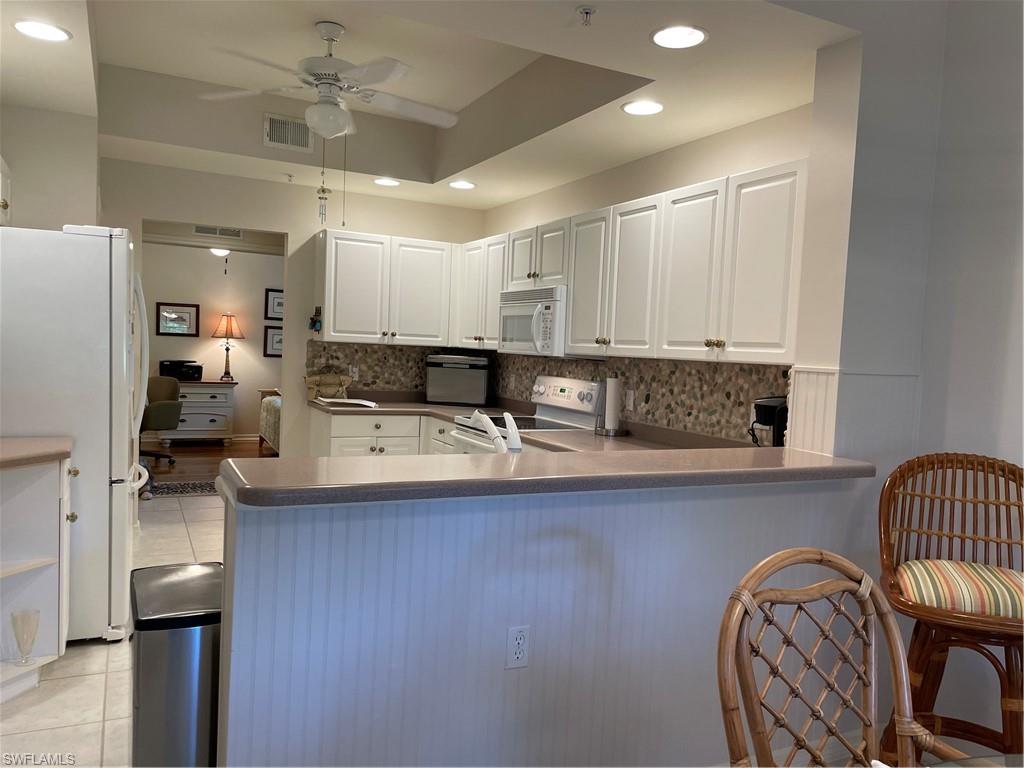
pixel 709 398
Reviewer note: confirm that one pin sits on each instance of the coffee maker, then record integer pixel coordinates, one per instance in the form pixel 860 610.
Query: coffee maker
pixel 771 412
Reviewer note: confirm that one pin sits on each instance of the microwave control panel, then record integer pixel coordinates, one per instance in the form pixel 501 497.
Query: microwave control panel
pixel 546 329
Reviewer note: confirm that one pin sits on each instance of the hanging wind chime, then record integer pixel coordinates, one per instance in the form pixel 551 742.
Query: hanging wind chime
pixel 322 191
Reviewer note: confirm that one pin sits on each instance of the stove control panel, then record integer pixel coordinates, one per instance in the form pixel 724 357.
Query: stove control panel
pixel 572 394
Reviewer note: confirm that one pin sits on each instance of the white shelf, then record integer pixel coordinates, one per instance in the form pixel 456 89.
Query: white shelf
pixel 11 669
pixel 13 567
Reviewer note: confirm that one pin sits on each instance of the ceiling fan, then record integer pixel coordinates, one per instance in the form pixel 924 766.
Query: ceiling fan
pixel 336 80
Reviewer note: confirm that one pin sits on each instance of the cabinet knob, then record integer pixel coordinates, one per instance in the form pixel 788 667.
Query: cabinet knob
pixel 708 343
pixel 373 449
pixel 4 205
pixel 394 333
pixel 380 450
pixel 597 339
pixel 440 431
pixel 720 343
pixel 213 397
pixel 383 333
pixel 213 421
pixel 74 471
pixel 376 426
pixel 183 397
pixel 181 421
pixel 71 517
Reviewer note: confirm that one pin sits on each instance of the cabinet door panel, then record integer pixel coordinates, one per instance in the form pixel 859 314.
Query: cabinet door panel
pixel 588 263
pixel 635 241
pixel 552 253
pixel 353 446
pixel 763 241
pixel 420 291
pixel 691 256
pixel 467 293
pixel 356 297
pixel 494 265
pixel 398 446
pixel 521 248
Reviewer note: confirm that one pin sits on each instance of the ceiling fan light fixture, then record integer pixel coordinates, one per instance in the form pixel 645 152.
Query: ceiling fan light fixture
pixel 40 30
pixel 679 36
pixel 220 252
pixel 329 118
pixel 386 181
pixel 461 184
pixel 642 107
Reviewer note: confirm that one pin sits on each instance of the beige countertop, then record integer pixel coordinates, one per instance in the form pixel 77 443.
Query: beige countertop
pixel 20 451
pixel 306 481
pixel 556 440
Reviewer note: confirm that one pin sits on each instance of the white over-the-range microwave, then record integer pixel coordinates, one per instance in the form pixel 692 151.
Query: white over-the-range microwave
pixel 532 321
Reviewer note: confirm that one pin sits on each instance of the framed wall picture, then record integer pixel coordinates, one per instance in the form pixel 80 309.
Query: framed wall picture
pixel 273 340
pixel 273 304
pixel 177 319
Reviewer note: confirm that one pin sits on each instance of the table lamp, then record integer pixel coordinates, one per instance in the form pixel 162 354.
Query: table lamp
pixel 228 329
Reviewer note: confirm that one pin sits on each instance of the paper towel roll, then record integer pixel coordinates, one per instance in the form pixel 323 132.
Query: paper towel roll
pixel 612 402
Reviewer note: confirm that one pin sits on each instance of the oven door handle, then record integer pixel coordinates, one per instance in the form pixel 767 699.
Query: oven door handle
pixel 468 442
pixel 534 330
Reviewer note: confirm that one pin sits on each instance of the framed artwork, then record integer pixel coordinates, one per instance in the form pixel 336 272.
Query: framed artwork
pixel 177 319
pixel 273 304
pixel 273 340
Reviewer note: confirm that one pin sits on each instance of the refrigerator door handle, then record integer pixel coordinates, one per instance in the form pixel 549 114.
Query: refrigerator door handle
pixel 140 386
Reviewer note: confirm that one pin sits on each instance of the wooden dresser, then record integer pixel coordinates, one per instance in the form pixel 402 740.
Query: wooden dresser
pixel 207 411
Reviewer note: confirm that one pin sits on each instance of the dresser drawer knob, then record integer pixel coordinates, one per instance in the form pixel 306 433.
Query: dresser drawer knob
pixel 213 397
pixel 183 397
pixel 213 421
pixel 182 421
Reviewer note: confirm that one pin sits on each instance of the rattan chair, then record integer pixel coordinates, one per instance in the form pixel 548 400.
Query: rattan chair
pixel 952 549
pixel 803 661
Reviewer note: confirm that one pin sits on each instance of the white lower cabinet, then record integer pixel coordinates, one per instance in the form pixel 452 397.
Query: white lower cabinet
pixel 363 434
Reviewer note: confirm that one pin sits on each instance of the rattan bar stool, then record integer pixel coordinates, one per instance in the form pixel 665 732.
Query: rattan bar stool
pixel 803 661
pixel 952 548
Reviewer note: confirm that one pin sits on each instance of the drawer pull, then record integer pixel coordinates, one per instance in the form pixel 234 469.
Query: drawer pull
pixel 181 421
pixel 183 397
pixel 376 426
pixel 213 397
pixel 213 421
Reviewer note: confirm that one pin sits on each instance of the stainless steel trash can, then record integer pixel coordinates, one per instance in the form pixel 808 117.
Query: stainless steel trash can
pixel 176 654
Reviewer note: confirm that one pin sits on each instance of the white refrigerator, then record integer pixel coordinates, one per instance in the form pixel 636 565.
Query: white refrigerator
pixel 74 361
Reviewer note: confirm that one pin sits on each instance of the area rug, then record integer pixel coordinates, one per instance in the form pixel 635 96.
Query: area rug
pixel 195 488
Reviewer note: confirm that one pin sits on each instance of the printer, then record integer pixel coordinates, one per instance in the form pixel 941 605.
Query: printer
pixel 182 370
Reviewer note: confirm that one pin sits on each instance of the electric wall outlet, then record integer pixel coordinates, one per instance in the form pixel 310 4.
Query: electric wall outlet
pixel 630 399
pixel 517 649
pixel 353 371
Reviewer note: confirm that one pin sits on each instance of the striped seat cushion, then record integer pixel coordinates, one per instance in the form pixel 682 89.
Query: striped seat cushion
pixel 986 590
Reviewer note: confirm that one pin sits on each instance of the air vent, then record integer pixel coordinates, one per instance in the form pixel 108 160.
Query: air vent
pixel 286 133
pixel 201 229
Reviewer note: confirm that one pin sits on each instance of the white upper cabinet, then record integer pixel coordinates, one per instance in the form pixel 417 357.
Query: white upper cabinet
pixel 589 236
pixel 632 270
pixel 761 264
pixel 538 257
pixel 420 289
pixel 690 270
pixel 356 290
pixel 495 254
pixel 477 280
pixel 521 251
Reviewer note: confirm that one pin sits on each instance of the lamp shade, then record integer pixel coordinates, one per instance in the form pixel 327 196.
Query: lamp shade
pixel 228 328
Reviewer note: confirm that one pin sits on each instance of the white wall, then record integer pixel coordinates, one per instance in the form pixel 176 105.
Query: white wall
pixel 53 161
pixel 178 274
pixel 135 191
pixel 775 139
pixel 972 382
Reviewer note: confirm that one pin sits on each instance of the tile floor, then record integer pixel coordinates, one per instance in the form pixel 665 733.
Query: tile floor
pixel 83 704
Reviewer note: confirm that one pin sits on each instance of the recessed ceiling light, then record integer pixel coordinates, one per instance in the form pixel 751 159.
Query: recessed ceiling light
pixel 386 182
pixel 220 251
pixel 40 30
pixel 462 184
pixel 642 107
pixel 680 36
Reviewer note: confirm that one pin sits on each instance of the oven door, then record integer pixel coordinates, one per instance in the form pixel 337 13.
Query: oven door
pixel 471 442
pixel 519 330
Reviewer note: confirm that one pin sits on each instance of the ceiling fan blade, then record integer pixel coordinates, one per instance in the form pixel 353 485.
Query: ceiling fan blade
pixel 228 95
pixel 413 110
pixel 264 62
pixel 382 70
pixel 285 89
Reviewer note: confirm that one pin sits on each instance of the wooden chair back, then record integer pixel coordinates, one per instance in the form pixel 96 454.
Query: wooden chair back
pixel 802 660
pixel 952 506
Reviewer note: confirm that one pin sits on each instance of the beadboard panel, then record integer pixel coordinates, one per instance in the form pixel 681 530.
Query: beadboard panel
pixel 812 409
pixel 375 634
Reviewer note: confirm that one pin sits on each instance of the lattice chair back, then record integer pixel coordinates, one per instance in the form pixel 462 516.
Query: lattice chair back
pixel 953 506
pixel 802 660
